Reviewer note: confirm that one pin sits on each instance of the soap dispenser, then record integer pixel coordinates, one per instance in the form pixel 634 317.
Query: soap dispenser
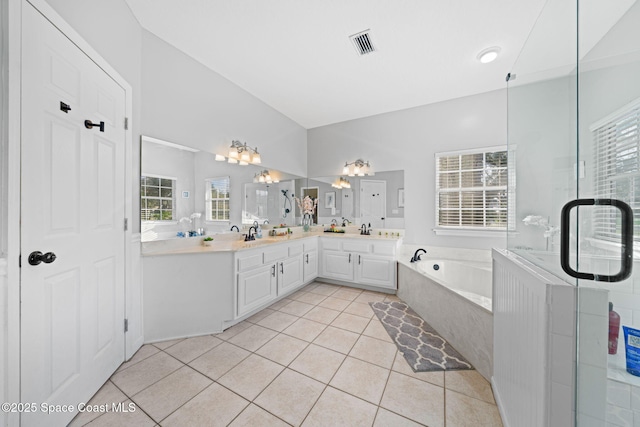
pixel 259 233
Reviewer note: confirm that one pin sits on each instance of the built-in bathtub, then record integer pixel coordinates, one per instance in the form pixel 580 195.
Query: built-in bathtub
pixel 451 290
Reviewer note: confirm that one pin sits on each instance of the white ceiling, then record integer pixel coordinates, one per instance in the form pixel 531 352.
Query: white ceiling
pixel 296 56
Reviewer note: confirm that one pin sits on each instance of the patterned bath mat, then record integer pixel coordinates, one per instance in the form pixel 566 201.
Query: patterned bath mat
pixel 419 343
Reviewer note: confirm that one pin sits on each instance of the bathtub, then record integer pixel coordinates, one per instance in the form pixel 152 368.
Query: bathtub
pixel 451 290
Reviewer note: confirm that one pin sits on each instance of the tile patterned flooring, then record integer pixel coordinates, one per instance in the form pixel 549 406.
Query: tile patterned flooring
pixel 319 357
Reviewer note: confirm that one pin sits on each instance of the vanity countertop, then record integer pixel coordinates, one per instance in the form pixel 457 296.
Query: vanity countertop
pixel 193 245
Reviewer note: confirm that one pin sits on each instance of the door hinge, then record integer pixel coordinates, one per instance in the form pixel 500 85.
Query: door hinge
pixel 126 224
pixel 126 325
pixel 126 123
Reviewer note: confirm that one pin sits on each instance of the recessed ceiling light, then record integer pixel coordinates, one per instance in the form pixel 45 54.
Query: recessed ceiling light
pixel 488 55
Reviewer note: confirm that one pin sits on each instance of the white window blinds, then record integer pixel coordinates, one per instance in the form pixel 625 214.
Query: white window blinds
pixel 217 199
pixel 471 189
pixel 617 169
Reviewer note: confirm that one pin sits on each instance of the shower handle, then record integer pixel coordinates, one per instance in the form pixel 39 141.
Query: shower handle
pixel 626 237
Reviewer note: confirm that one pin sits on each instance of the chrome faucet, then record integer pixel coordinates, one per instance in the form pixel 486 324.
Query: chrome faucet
pixel 255 224
pixel 416 256
pixel 266 221
pixel 236 227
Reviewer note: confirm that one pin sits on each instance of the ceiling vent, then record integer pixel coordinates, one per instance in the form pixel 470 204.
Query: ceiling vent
pixel 362 42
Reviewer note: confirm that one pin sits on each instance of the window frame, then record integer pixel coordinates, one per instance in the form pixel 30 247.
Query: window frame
pixel 508 188
pixel 174 182
pixel 209 200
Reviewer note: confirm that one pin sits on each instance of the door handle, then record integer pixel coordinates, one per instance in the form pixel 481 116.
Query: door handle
pixel 273 270
pixel 282 268
pixel 37 257
pixel 349 258
pixel 307 258
pixel 626 236
pixel 89 125
pixel 359 259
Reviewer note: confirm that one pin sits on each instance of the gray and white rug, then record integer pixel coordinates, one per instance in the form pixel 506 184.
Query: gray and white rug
pixel 420 344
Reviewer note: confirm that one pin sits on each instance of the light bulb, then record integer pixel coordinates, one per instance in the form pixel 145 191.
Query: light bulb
pixel 232 160
pixel 242 163
pixel 356 170
pixel 233 152
pixel 245 156
pixel 345 170
pixel 261 179
pixel 256 158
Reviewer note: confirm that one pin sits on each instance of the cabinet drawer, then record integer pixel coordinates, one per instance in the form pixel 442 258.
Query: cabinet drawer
pixel 311 245
pixel 295 249
pixel 274 254
pixel 247 262
pixel 331 244
pixel 384 248
pixel 351 246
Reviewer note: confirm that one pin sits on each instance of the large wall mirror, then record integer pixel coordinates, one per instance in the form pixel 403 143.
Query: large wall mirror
pixel 377 200
pixel 185 190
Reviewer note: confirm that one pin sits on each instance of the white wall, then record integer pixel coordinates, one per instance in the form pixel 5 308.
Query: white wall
pixel 408 140
pixel 191 105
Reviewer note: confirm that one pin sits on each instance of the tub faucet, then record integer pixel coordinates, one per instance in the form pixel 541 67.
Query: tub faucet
pixel 416 256
pixel 236 227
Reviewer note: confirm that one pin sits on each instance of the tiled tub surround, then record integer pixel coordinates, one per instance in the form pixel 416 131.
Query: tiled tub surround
pixel 451 308
pixel 319 357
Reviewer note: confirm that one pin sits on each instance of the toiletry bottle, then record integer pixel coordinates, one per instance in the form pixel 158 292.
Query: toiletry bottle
pixel 259 233
pixel 614 328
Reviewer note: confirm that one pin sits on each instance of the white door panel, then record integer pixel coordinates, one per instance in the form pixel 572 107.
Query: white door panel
pixel 72 311
pixel 373 203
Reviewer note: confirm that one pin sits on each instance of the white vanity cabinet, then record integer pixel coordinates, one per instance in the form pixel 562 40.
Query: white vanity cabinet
pixel 361 261
pixel 310 260
pixel 264 274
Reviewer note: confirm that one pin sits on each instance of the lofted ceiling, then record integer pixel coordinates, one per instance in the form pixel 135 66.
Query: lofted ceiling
pixel 296 55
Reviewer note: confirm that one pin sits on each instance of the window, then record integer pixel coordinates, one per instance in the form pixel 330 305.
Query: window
pixel 157 198
pixel 471 189
pixel 217 199
pixel 617 169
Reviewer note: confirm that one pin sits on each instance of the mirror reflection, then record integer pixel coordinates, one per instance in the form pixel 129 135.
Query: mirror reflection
pixel 185 192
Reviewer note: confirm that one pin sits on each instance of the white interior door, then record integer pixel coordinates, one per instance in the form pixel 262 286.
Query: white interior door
pixel 373 202
pixel 72 313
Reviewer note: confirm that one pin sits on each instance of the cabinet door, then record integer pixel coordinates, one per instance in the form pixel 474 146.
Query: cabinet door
pixel 255 288
pixel 337 265
pixel 375 270
pixel 290 274
pixel 310 266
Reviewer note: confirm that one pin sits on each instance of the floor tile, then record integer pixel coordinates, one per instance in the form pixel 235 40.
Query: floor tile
pixel 337 339
pixel 311 298
pixel 282 349
pixel 297 308
pixel 386 418
pixel 162 398
pixel 361 379
pixel 390 298
pixel 217 362
pixel 143 374
pixel 376 330
pixel 233 331
pixel 305 329
pixel 291 396
pixel 463 411
pixel 469 383
pixel 189 349
pixel 322 315
pixel 251 376
pixel 334 303
pixel 166 344
pixel 279 304
pixel 318 363
pixel 360 309
pixel 417 400
pixel 131 418
pixel 374 351
pixel 260 315
pixel 324 289
pixel 336 408
pixel 277 321
pixel 253 337
pixel 144 352
pixel 107 395
pixel 434 377
pixel 254 416
pixel 346 294
pixel 215 406
pixel 350 322
pixel 367 297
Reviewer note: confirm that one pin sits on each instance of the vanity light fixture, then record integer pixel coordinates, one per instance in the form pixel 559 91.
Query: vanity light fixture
pixel 341 183
pixel 220 158
pixel 358 167
pixel 489 54
pixel 243 153
pixel 263 177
